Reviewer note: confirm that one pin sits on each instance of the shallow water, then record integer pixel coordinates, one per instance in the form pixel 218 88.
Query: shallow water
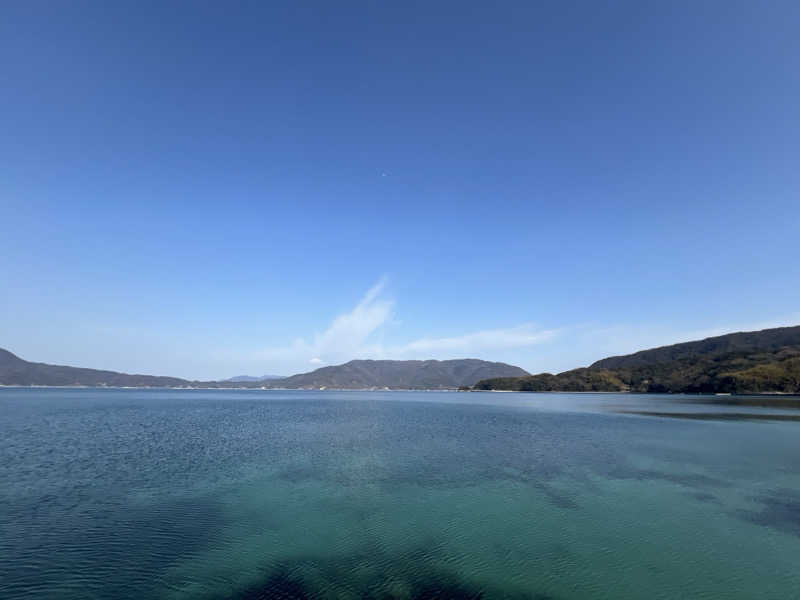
pixel 268 494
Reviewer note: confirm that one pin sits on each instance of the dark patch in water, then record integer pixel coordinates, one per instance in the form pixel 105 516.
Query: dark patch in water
pixel 690 480
pixel 556 498
pixel 133 542
pixel 278 586
pixel 715 416
pixel 704 497
pixel 758 401
pixel 780 510
pixel 445 591
pixel 405 577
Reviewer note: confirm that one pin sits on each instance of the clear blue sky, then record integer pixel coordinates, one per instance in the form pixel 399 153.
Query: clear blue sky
pixel 208 189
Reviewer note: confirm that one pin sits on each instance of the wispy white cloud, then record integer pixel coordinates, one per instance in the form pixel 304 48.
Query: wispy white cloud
pixel 356 334
pixel 349 332
pixel 360 332
pixel 491 339
pixel 346 337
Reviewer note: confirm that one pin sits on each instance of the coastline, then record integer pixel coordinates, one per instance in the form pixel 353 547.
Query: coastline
pixel 721 397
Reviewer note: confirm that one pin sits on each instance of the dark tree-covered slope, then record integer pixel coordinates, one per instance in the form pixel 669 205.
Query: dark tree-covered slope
pixel 16 371
pixel 356 374
pixel 747 362
pixel 401 374
pixel 742 343
pixel 577 380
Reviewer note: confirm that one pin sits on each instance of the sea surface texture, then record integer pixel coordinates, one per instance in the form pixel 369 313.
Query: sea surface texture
pixel 195 494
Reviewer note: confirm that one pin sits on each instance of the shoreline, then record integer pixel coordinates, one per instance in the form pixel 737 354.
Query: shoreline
pixel 385 389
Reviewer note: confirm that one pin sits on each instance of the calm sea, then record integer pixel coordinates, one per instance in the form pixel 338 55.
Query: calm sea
pixel 268 494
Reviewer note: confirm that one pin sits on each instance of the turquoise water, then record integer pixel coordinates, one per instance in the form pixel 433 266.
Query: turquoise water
pixel 268 494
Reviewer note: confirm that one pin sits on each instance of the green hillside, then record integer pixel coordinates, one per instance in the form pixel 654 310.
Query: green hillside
pixel 765 361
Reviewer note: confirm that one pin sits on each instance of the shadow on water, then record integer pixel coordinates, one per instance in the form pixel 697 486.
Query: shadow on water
pixel 283 586
pixel 783 402
pixel 780 510
pixel 695 481
pixel 125 546
pixel 704 497
pixel 280 586
pixel 714 416
pixel 368 578
pixel 556 498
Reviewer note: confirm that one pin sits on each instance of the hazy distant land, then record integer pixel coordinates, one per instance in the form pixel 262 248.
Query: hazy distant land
pixel 356 374
pixel 765 361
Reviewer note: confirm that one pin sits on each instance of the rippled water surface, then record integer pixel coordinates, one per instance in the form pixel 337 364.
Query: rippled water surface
pixel 267 494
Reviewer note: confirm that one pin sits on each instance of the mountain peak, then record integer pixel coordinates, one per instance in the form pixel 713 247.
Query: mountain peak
pixel 402 374
pixel 7 358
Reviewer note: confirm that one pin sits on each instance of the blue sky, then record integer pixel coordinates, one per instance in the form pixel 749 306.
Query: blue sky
pixel 209 189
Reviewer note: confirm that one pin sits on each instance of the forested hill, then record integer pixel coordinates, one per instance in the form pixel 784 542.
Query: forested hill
pixel 743 343
pixel 750 362
pixel 356 374
pixel 16 371
pixel 765 361
pixel 401 374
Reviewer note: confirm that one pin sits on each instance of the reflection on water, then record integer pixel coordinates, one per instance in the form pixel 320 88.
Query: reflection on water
pixel 717 416
pixel 267 494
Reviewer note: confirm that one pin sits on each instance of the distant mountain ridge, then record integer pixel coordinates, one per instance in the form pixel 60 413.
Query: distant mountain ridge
pixel 356 374
pixel 250 378
pixel 766 361
pixel 401 374
pixel 744 362
pixel 16 371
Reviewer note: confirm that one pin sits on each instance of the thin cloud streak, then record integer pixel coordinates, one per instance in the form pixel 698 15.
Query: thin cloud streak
pixel 352 335
pixel 501 339
pixel 358 333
